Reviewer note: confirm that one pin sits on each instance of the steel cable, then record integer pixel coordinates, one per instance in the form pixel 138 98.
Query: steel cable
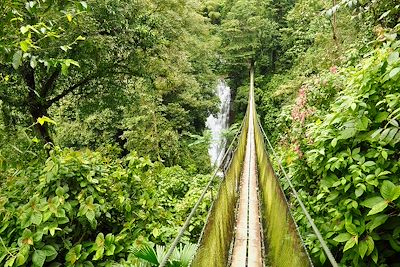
pixel 194 209
pixel 308 216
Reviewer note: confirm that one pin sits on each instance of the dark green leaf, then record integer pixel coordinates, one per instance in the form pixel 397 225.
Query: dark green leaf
pixel 377 221
pixel 49 250
pixel 381 116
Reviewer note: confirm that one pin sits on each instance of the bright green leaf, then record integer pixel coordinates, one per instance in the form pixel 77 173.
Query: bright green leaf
pixel 334 142
pixel 90 215
pixel 351 228
pixel 347 133
pixel 10 262
pixel 370 243
pixel 36 217
pixel 393 58
pixel 370 202
pixel 378 208
pixel 362 248
pixel 33 62
pixel 24 29
pixel 73 254
pixel 21 259
pixel 394 72
pixel 44 119
pixel 350 243
pixel 84 4
pixel 359 192
pixel 388 191
pixel 80 38
pixel 65 48
pixel 343 237
pixel 25 45
pixel 156 232
pixel 69 17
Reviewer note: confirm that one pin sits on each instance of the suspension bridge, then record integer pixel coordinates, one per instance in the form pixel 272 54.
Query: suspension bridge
pixel 249 222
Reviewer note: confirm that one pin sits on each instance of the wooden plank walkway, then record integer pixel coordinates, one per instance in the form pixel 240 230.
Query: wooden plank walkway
pixel 247 248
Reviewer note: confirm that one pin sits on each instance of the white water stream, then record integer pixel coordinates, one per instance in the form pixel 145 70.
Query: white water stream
pixel 220 123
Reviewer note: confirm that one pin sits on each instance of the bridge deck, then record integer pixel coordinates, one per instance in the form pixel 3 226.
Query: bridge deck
pixel 247 248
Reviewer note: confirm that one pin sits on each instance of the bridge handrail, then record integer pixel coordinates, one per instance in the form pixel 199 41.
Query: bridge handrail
pixel 324 246
pixel 196 206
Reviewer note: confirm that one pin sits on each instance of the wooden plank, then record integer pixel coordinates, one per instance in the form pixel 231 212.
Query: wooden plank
pixel 239 255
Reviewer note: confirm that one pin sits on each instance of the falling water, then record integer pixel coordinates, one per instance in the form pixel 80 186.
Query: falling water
pixel 220 123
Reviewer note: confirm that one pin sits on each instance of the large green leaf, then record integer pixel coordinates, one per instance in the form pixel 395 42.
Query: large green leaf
pixel 370 202
pixel 350 243
pixel 394 72
pixel 351 228
pixel 377 221
pixel 362 248
pixel 379 207
pixel 17 59
pixel 73 254
pixel 389 191
pixel 38 258
pixel 347 133
pixel 343 237
pixel 393 58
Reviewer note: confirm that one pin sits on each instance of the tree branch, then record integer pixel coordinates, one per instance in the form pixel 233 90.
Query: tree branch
pixel 69 90
pixel 84 82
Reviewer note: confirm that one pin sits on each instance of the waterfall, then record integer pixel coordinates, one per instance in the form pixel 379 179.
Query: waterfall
pixel 220 123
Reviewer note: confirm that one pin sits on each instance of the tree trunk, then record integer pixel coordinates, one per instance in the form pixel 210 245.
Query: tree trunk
pixel 38 110
pixel 334 26
pixel 36 104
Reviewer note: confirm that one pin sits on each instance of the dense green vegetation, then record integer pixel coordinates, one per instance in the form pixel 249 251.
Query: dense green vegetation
pixel 103 105
pixel 328 95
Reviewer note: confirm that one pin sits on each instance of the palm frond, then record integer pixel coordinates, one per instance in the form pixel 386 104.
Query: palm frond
pixel 184 254
pixel 147 254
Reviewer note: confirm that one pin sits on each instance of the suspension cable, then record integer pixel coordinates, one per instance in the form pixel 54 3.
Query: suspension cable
pixel 303 207
pixel 195 207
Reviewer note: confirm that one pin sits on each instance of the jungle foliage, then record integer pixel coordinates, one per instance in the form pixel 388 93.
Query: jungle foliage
pixel 327 87
pixel 101 104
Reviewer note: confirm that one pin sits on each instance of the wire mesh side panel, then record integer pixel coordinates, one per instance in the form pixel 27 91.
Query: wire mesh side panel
pixel 284 246
pixel 214 245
